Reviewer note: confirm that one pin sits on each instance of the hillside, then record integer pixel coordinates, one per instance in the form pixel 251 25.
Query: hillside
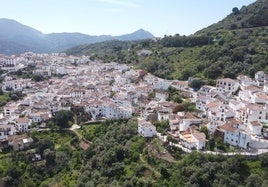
pixel 119 157
pixel 237 44
pixel 18 38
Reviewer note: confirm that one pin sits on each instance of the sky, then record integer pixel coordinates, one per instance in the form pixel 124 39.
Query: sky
pixel 117 17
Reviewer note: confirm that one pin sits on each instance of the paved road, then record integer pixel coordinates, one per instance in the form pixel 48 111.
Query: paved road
pixel 259 151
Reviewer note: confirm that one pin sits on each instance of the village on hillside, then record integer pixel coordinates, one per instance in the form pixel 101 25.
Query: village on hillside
pixel 234 110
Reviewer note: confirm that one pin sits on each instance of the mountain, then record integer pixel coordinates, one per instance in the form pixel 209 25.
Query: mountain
pixel 17 38
pixel 238 44
pixel 138 35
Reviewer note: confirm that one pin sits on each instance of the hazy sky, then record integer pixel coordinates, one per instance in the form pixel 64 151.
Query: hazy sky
pixel 116 17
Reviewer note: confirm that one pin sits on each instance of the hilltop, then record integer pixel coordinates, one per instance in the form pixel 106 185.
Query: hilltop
pixel 238 44
pixel 17 38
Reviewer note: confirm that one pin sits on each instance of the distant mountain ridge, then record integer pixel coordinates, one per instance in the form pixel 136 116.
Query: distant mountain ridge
pixel 237 44
pixel 18 38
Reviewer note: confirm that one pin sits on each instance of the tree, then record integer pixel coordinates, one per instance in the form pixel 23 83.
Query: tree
pixel 220 143
pixel 196 83
pixel 211 144
pixel 204 129
pixel 50 156
pixel 254 180
pixel 19 72
pixel 264 160
pixel 63 117
pixel 235 10
pixel 164 173
pixel 44 144
pixel 38 78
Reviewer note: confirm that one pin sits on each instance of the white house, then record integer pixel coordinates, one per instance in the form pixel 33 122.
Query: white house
pixel 256 112
pixel 161 95
pixel 78 93
pixel 202 101
pixel 193 140
pixel 38 117
pixel 17 85
pixel 61 70
pixel 200 139
pixel 260 98
pixel 265 88
pixel 43 72
pixel 163 114
pixel 245 81
pixel 6 130
pixel 9 61
pixel 255 127
pixel 227 85
pixel 146 128
pixel 108 109
pixel 260 77
pixel 10 109
pixel 180 85
pixel 188 121
pixel 187 140
pixel 247 93
pixel 174 122
pixel 56 107
pixel 207 91
pixel 23 124
pixel 233 135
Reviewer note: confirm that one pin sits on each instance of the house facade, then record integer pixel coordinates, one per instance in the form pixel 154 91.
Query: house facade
pixel 227 85
pixel 146 128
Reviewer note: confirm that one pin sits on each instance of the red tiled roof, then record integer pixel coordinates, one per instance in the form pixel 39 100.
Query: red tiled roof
pixel 228 127
pixel 255 123
pixel 23 120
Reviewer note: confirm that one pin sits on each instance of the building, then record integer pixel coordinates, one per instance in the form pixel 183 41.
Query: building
pixel 233 134
pixel 146 128
pixel 6 130
pixel 255 128
pixel 260 77
pixel 227 85
pixel 193 140
pixel 23 124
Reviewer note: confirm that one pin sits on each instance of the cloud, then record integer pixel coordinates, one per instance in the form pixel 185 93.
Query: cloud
pixel 114 10
pixel 124 3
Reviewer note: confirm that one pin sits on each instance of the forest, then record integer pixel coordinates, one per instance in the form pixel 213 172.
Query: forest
pixel 118 156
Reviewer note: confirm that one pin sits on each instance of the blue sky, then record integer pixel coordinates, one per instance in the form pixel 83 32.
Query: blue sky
pixel 116 17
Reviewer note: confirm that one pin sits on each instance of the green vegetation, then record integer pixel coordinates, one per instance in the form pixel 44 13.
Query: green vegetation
pixel 38 78
pixel 173 95
pixel 4 98
pixel 119 157
pixel 236 45
pixel 91 131
pixel 16 95
pixel 59 158
pixel 63 118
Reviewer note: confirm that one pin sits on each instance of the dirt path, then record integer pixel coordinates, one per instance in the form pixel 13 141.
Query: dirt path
pixel 84 144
